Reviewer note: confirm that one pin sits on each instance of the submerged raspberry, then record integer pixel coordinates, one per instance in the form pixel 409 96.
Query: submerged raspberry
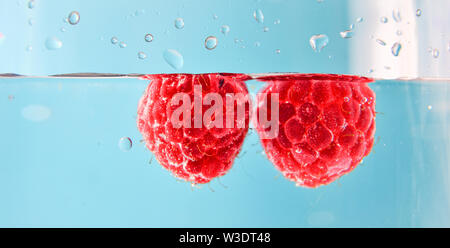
pixel 196 153
pixel 326 125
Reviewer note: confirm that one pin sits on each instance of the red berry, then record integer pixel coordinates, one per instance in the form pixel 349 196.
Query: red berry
pixel 196 153
pixel 326 125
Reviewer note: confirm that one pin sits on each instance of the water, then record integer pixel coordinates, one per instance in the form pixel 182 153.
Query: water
pixel 71 154
pixel 72 172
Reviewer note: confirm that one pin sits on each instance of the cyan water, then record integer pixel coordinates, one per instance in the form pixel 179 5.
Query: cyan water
pixel 64 162
pixel 62 166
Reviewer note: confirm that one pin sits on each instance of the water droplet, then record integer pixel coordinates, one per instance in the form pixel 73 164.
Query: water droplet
pixel 29 48
pixel 173 58
pixel 53 43
pixel 31 4
pixel 396 48
pixel 142 55
pixel 258 15
pixel 149 37
pixel 346 34
pixel 114 40
pixel 225 29
pixel 364 100
pixel 399 32
pixel 179 23
pixel 396 15
pixel 278 51
pixel 125 144
pixel 277 21
pixel 257 44
pixel 359 19
pixel 384 19
pixel 346 99
pixel 429 107
pixel 318 42
pixel 381 42
pixel 211 42
pixel 266 29
pixel 31 21
pixel 418 12
pixel 435 53
pixel 74 17
pixel 122 44
pixel 63 29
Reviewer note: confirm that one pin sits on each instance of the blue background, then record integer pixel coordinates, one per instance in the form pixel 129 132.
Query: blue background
pixel 61 165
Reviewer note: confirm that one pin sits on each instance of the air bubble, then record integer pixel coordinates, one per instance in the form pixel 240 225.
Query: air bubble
pixel 399 32
pixel 435 53
pixel 278 51
pixel 74 17
pixel 142 55
pixel 36 113
pixel 148 37
pixel 396 15
pixel 173 58
pixel 179 23
pixel 396 48
pixel 31 21
pixel 225 29
pixel 125 144
pixel 346 34
pixel 53 43
pixel 31 4
pixel 276 22
pixel 29 48
pixel 266 29
pixel 418 12
pixel 318 42
pixel 384 19
pixel 63 29
pixel 429 107
pixel 346 99
pixel 114 40
pixel 122 44
pixel 381 42
pixel 258 15
pixel 257 44
pixel 211 42
pixel 359 19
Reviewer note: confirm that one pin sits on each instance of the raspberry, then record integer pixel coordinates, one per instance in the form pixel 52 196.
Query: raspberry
pixel 326 125
pixel 193 153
